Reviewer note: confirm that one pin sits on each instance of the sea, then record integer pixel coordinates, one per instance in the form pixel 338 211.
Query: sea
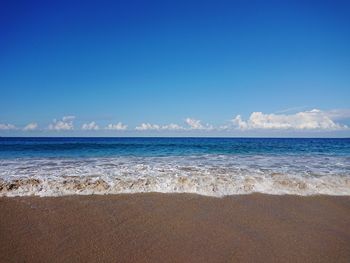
pixel 207 166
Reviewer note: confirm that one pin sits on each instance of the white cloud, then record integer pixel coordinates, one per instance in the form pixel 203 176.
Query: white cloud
pixel 156 127
pixel 197 124
pixel 68 118
pixel 65 124
pixel 147 126
pixel 31 126
pixel 7 126
pixel 117 127
pixel 240 123
pixel 90 126
pixel 172 127
pixel 305 120
pixel 192 124
pixel 338 114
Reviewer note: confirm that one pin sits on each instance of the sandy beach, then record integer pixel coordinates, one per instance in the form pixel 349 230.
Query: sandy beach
pixel 175 228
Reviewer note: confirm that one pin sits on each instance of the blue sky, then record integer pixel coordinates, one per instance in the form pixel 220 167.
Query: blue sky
pixel 134 68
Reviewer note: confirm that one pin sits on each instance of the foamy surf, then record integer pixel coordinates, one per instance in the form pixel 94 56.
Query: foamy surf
pixel 210 175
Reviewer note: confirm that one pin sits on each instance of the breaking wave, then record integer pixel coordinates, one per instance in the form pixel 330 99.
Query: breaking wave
pixel 211 175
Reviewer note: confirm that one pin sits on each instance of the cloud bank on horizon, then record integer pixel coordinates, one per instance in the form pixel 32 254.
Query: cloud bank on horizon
pixel 306 120
pixel 311 120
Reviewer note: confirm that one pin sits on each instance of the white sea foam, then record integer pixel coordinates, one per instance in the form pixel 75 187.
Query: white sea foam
pixel 212 175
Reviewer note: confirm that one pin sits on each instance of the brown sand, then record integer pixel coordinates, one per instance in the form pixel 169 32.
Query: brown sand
pixel 175 228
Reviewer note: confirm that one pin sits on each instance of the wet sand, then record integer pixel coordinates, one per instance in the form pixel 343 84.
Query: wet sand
pixel 175 228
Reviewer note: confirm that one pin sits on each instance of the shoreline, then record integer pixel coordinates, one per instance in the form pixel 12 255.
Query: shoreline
pixel 157 227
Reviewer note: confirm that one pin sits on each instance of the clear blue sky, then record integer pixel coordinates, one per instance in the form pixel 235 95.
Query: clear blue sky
pixel 161 62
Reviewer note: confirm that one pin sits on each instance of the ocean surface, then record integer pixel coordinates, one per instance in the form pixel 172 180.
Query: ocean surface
pixel 207 166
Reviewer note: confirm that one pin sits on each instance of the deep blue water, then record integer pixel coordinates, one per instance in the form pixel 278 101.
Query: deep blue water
pixel 111 147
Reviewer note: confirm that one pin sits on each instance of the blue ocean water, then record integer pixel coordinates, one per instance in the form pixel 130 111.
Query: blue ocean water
pixel 209 166
pixel 108 147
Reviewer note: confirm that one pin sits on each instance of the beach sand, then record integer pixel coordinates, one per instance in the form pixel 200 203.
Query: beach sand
pixel 175 228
